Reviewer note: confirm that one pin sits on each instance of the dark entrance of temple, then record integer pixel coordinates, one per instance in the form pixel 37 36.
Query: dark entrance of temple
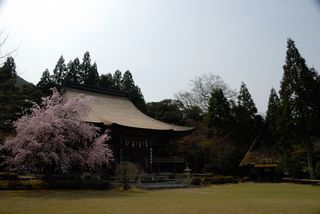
pixel 150 151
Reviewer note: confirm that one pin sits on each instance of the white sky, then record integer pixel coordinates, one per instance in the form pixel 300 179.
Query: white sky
pixel 165 43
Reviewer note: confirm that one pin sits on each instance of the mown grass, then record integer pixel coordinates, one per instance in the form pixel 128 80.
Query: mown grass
pixel 234 198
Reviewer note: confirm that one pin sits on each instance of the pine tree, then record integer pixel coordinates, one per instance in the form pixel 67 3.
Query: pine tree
pixel 245 125
pixel 60 71
pixel 85 67
pixel 10 102
pixel 127 85
pixel 92 76
pixel 8 75
pixel 127 82
pixel 167 110
pixel 299 114
pixel 73 74
pixel 273 115
pixel 117 78
pixel 46 82
pixel 246 102
pixel 106 81
pixel 219 115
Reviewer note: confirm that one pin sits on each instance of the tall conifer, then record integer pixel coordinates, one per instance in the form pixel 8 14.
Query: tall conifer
pixel 60 71
pixel 298 121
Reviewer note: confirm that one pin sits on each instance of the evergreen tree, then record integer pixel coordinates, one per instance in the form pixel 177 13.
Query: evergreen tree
pixel 106 81
pixel 299 114
pixel 46 82
pixel 134 92
pixel 117 79
pixel 246 102
pixel 85 67
pixel 8 74
pixel 127 82
pixel 8 94
pixel 123 83
pixel 167 110
pixel 13 97
pixel 92 76
pixel 10 98
pixel 219 115
pixel 273 114
pixel 245 122
pixel 193 114
pixel 60 71
pixel 73 74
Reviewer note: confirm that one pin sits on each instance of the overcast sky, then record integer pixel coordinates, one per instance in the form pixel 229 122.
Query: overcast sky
pixel 165 43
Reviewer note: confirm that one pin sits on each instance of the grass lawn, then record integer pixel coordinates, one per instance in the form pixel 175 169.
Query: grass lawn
pixel 234 198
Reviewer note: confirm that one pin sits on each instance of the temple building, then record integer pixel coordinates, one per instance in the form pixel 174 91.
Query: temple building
pixel 136 137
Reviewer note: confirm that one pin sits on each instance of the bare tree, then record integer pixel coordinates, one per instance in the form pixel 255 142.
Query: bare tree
pixel 202 87
pixel 4 54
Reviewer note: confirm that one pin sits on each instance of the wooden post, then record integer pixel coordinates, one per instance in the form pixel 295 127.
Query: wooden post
pixel 121 149
pixel 150 158
pixel 158 168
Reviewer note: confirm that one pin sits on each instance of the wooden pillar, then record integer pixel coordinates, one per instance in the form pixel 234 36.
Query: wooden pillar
pixel 133 144
pixel 150 156
pixel 273 171
pixel 158 168
pixel 121 149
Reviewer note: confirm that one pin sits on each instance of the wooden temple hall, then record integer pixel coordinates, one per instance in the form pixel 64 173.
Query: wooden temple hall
pixel 135 137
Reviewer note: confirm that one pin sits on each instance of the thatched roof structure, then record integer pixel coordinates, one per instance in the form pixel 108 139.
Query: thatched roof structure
pixel 114 108
pixel 260 155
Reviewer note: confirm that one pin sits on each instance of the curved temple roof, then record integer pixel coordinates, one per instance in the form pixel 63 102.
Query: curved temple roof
pixel 112 108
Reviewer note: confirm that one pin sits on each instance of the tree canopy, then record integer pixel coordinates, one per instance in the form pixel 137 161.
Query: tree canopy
pixel 202 87
pixel 86 73
pixel 167 110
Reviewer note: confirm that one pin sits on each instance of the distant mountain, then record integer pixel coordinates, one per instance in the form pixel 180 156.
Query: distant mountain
pixel 21 82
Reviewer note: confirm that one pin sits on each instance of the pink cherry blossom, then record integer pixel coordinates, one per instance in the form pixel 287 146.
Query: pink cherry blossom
pixel 54 139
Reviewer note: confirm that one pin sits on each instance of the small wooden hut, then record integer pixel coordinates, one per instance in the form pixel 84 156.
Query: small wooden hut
pixel 261 161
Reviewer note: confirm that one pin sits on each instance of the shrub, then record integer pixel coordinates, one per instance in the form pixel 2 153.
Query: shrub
pixel 196 181
pixel 126 172
pixel 14 184
pixel 8 176
pixel 217 179
pixel 78 184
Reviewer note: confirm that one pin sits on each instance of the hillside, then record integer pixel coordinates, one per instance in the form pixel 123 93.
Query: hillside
pixel 21 82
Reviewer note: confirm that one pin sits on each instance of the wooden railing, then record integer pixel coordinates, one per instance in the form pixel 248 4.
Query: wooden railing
pixel 172 159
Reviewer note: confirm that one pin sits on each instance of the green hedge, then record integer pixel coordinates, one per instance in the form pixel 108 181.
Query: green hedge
pixel 15 184
pixel 78 184
pixel 19 184
pixel 8 176
pixel 217 179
